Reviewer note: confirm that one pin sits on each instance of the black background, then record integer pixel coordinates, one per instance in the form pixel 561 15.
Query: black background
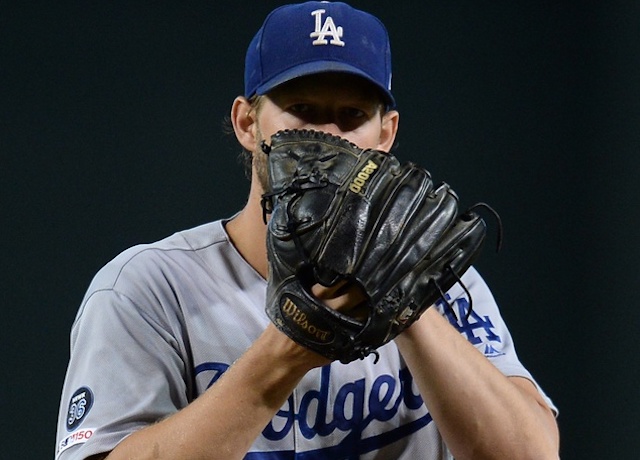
pixel 111 135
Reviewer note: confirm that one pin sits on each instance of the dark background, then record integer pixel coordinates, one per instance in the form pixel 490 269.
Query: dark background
pixel 110 135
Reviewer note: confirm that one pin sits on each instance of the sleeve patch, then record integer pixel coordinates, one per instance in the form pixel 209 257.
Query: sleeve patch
pixel 77 437
pixel 79 407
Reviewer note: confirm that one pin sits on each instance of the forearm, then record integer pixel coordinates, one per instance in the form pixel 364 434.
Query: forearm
pixel 225 420
pixel 480 412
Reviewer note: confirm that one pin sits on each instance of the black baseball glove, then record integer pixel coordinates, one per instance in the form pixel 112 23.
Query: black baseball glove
pixel 342 214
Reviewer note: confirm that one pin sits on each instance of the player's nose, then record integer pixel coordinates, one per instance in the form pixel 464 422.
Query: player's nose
pixel 334 124
pixel 328 127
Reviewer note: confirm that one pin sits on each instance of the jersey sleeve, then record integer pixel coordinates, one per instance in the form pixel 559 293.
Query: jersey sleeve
pixel 126 371
pixel 476 315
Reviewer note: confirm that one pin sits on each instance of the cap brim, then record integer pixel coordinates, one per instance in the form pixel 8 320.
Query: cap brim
pixel 316 67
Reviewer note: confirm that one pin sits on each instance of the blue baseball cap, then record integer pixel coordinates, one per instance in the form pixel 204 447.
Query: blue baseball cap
pixel 315 37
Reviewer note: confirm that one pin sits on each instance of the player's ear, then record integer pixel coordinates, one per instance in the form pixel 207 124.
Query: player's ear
pixel 243 119
pixel 389 130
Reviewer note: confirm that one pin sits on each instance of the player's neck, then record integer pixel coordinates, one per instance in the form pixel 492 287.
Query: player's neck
pixel 248 233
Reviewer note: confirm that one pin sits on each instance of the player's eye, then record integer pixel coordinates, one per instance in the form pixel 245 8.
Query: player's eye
pixel 353 112
pixel 300 108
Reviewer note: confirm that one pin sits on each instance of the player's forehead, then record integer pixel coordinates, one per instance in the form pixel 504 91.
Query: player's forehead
pixel 336 85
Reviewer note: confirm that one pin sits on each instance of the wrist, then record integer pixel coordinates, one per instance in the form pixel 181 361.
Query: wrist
pixel 428 320
pixel 291 356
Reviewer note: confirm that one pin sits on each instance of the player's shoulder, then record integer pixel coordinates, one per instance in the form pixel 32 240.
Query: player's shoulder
pixel 146 260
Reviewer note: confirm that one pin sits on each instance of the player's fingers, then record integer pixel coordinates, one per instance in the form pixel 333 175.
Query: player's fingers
pixel 343 296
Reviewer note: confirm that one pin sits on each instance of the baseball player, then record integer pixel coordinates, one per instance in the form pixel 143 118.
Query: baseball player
pixel 173 354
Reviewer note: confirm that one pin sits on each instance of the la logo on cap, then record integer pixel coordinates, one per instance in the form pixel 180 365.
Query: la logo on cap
pixel 327 29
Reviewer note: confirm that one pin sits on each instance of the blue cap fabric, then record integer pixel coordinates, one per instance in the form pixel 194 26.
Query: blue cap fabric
pixel 314 37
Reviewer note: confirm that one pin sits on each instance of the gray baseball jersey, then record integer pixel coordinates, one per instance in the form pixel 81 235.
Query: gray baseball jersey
pixel 162 322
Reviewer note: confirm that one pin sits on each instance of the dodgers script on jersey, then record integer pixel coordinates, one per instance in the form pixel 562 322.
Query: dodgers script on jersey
pixel 162 322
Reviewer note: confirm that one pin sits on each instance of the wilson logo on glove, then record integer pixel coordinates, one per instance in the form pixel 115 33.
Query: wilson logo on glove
pixel 362 177
pixel 291 310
